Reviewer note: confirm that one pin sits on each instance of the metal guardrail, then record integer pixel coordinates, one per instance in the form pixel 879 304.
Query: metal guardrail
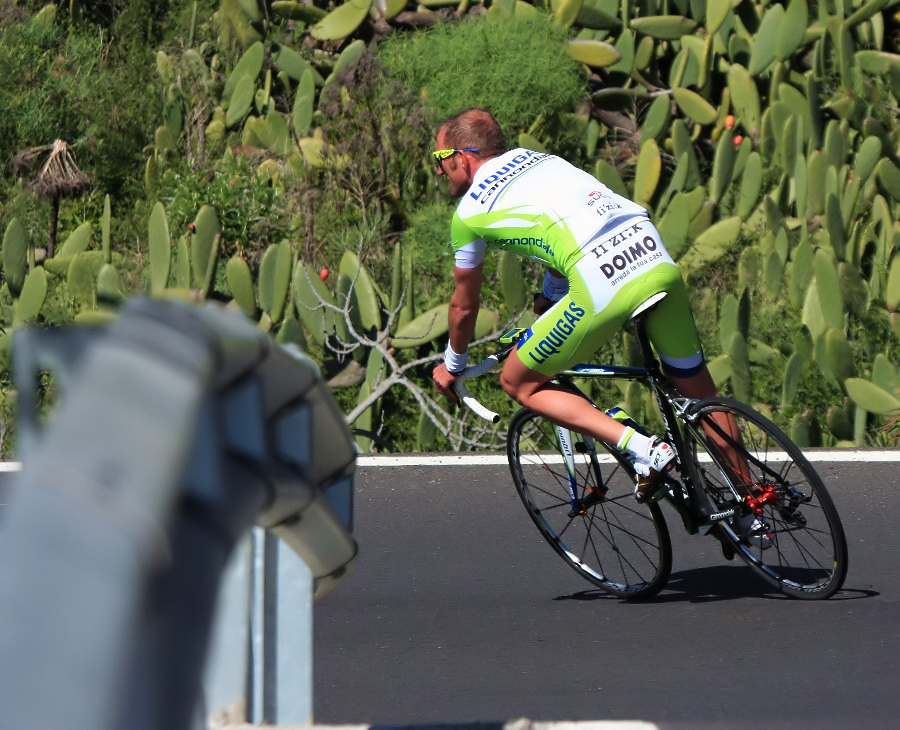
pixel 177 429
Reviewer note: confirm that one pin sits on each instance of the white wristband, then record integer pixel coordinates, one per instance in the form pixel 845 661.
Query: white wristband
pixel 554 288
pixel 455 361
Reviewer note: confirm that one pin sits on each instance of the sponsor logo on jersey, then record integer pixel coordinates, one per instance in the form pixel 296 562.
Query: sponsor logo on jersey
pixel 526 241
pixel 556 338
pixel 604 201
pixel 517 165
pixel 633 254
pixel 624 249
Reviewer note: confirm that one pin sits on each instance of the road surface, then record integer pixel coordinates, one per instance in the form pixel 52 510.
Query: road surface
pixel 458 613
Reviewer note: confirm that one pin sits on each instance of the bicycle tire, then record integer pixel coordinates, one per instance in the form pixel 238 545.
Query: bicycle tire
pixel 616 544
pixel 805 553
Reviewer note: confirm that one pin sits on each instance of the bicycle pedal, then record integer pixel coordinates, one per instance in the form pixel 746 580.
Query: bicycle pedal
pixel 659 490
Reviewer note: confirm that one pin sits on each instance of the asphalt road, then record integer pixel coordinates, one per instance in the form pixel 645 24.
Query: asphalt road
pixel 458 613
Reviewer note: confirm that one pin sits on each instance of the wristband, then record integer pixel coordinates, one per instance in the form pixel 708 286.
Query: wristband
pixel 454 361
pixel 554 289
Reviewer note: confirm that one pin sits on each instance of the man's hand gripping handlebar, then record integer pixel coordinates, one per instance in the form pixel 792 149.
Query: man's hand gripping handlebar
pixel 509 342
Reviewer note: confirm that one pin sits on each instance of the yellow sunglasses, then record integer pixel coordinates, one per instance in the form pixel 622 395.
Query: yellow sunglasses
pixel 441 155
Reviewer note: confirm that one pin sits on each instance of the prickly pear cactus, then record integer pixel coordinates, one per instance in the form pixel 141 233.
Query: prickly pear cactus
pixel 758 135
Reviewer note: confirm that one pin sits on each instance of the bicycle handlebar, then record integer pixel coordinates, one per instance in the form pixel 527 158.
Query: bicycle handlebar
pixel 474 371
pixel 466 398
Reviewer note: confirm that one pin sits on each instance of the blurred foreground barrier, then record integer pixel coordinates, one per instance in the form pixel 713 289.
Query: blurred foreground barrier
pixel 177 428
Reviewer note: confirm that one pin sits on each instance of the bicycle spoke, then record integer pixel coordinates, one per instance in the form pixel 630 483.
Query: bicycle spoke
pixel 800 546
pixel 614 542
pixel 646 548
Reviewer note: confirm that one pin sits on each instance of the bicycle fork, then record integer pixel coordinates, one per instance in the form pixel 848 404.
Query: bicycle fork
pixel 568 449
pixel 564 436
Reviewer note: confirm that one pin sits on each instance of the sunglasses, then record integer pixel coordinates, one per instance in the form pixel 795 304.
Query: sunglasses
pixel 441 155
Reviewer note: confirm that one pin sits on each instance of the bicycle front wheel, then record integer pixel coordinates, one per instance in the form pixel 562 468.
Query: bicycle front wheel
pixel 744 462
pixel 599 530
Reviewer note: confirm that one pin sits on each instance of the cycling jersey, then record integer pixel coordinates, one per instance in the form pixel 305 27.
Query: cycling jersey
pixel 535 205
pixel 539 206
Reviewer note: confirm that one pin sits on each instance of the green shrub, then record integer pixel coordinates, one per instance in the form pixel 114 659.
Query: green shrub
pixel 514 65
pixel 427 242
pixel 37 95
pixel 377 168
pixel 251 211
pixel 60 83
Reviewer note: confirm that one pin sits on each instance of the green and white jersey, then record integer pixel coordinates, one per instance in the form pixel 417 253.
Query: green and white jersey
pixel 540 206
pixel 536 205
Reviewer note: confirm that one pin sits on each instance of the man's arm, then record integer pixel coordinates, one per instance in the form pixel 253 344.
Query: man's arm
pixel 555 287
pixel 464 305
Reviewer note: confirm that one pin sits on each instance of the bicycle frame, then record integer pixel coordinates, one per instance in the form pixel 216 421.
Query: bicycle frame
pixel 686 500
pixel 564 437
pixel 684 497
pixel 672 406
pixel 721 479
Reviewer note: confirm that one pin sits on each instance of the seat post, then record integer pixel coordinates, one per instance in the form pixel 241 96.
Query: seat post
pixel 639 317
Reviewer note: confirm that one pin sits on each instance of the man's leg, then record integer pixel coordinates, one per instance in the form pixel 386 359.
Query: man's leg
pixel 571 332
pixel 535 391
pixel 701 385
pixel 570 410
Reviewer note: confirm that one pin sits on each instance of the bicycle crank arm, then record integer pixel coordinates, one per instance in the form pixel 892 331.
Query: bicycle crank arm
pixel 676 495
pixel 714 519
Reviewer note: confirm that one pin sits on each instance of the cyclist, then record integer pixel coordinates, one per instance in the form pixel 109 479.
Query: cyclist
pixel 604 259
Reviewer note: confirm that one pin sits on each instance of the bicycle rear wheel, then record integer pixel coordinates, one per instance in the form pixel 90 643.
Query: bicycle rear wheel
pixel 611 540
pixel 801 549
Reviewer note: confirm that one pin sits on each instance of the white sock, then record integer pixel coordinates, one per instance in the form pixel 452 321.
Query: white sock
pixel 635 444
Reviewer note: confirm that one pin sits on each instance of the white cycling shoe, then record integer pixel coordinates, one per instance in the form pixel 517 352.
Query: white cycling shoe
pixel 648 486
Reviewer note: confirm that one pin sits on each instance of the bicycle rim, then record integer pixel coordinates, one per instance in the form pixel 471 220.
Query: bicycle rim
pixel 805 553
pixel 617 544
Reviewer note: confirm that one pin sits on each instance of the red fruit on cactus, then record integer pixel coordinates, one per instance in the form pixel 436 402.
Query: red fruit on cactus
pixel 323 274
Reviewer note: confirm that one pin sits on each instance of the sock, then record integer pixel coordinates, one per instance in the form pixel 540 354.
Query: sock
pixel 634 443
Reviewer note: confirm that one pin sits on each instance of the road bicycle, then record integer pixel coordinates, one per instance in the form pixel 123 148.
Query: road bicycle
pixel 732 466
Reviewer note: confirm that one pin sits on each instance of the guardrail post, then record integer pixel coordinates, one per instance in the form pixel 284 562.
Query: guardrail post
pixel 292 640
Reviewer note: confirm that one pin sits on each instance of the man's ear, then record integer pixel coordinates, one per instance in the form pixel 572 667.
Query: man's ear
pixel 467 164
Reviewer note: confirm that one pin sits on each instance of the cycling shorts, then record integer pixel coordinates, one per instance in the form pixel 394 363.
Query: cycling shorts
pixel 619 271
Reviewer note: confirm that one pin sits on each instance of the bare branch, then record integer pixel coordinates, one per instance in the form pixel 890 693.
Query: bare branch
pixel 463 430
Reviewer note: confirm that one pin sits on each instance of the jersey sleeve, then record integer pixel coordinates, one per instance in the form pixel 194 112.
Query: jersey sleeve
pixel 468 247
